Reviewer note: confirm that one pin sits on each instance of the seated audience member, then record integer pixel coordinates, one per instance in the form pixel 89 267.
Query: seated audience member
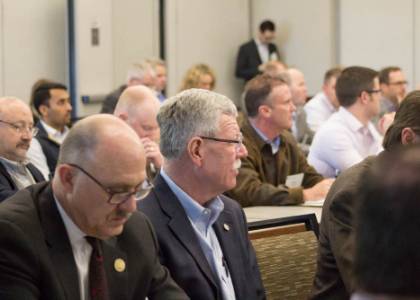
pixel 274 68
pixel 325 103
pixel 255 53
pixel 16 132
pixel 387 225
pixel 202 234
pixel 199 76
pixel 393 87
pixel 80 237
pixel 52 103
pixel 159 67
pixel 333 278
pixel 139 73
pixel 349 136
pixel 273 155
pixel 300 129
pixel 138 107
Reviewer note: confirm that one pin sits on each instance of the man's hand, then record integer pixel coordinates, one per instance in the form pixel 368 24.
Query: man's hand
pixel 318 191
pixel 152 152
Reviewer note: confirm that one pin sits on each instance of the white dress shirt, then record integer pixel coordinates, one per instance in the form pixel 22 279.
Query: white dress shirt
pixel 318 110
pixel 342 142
pixel 263 51
pixel 35 154
pixel 81 251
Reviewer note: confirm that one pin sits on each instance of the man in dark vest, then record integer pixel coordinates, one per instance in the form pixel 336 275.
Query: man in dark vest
pixel 52 103
pixel 16 131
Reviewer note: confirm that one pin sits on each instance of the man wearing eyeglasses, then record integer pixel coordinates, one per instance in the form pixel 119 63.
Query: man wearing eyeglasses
pixel 393 87
pixel 16 132
pixel 202 234
pixel 349 136
pixel 80 236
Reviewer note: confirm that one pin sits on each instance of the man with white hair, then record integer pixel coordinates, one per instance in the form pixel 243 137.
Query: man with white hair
pixel 202 234
pixel 138 106
pixel 16 132
pixel 139 73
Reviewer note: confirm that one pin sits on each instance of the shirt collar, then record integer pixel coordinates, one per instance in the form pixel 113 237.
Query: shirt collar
pixel 76 235
pixel 54 133
pixel 195 212
pixel 275 143
pixel 328 103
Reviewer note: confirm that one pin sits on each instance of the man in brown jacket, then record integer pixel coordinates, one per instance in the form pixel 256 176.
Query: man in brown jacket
pixel 276 171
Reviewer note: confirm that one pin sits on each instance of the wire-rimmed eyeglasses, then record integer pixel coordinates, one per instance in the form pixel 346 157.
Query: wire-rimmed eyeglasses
pixel 20 128
pixel 141 191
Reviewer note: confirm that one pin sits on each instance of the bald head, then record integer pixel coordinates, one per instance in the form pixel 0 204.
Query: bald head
pixel 138 107
pixel 297 86
pixel 15 128
pixel 99 133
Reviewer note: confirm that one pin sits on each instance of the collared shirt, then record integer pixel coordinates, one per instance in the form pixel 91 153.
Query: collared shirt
pixel 342 142
pixel 19 173
pixel 202 220
pixel 318 110
pixel 263 51
pixel 55 134
pixel 275 143
pixel 81 251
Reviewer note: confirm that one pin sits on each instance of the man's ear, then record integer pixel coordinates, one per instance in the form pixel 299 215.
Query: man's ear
pixel 43 109
pixel 66 177
pixel 123 116
pixel 408 136
pixel 195 150
pixel 264 110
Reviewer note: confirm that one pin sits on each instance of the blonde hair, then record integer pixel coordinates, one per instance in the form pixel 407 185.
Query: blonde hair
pixel 192 77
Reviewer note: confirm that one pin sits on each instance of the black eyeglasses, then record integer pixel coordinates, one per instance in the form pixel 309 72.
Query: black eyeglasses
pixel 238 142
pixel 20 128
pixel 142 190
pixel 373 91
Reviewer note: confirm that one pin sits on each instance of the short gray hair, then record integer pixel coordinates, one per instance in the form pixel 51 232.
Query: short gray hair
pixel 139 71
pixel 190 113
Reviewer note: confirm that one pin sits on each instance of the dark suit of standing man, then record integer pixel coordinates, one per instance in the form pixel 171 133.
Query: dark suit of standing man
pixel 249 60
pixel 44 252
pixel 202 234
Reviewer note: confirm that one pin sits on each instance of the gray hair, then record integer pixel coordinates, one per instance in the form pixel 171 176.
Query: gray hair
pixel 190 113
pixel 139 71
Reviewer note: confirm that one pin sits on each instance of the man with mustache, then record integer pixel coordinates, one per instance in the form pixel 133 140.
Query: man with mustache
pixel 80 236
pixel 52 103
pixel 16 132
pixel 202 234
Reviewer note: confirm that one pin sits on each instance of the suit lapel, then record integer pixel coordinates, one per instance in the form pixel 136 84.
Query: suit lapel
pixel 6 174
pixel 227 237
pixel 257 54
pixel 181 226
pixel 115 269
pixel 59 245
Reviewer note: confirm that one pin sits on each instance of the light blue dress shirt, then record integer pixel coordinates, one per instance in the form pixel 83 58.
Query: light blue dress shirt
pixel 202 220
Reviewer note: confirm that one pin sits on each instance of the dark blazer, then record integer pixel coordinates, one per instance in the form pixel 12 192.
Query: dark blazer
pixel 50 147
pixel 181 253
pixel 8 186
pixel 333 279
pixel 36 258
pixel 248 59
pixel 108 106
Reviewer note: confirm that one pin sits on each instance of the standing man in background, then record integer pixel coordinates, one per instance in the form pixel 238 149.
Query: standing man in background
pixel 159 67
pixel 254 54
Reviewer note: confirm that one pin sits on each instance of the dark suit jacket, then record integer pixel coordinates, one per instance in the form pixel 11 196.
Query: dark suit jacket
pixel 36 258
pixel 50 147
pixel 8 186
pixel 333 279
pixel 181 253
pixel 248 59
pixel 108 106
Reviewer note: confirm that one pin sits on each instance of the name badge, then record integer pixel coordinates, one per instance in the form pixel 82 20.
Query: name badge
pixel 293 181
